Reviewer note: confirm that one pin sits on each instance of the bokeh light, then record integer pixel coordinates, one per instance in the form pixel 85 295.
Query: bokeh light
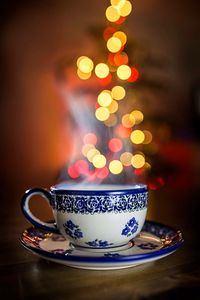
pixel 85 64
pixel 115 167
pixel 121 36
pixel 115 145
pixel 86 148
pixel 73 172
pixel 128 121
pixel 114 44
pixel 126 9
pixel 102 173
pixel 83 76
pixel 125 158
pixel 122 131
pixel 105 98
pixel 134 75
pixel 123 72
pixel 108 32
pixel 99 161
pixel 90 138
pixel 120 58
pixel 147 137
pixel 82 166
pixel 101 70
pixel 138 116
pixel 113 107
pixel 118 92
pixel 137 137
pixel 111 121
pixel 112 13
pixel 91 154
pixel 138 161
pixel 102 113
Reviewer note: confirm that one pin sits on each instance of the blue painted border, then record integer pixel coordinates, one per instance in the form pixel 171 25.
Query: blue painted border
pixel 114 259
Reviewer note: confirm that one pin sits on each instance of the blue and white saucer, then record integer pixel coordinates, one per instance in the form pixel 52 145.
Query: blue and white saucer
pixel 154 242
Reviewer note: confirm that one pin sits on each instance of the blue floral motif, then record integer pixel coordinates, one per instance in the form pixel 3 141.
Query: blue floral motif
pixel 85 204
pixel 73 230
pixel 99 244
pixel 130 228
pixel 147 246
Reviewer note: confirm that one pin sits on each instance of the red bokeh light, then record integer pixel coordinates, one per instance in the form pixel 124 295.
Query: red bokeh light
pixel 108 32
pixel 156 183
pixel 105 81
pixel 81 166
pixel 139 171
pixel 102 173
pixel 115 145
pixel 122 131
pixel 73 172
pixel 134 75
pixel 120 20
pixel 111 59
pixel 90 138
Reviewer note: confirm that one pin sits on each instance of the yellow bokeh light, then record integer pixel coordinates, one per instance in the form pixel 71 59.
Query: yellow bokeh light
pixel 138 161
pixel 91 154
pixel 123 72
pixel 99 161
pixel 128 120
pixel 138 115
pixel 113 107
pixel 118 92
pixel 83 76
pixel 125 158
pixel 112 13
pixel 118 3
pixel 102 113
pixel 115 167
pixel 126 9
pixel 147 137
pixel 85 64
pixel 101 70
pixel 86 148
pixel 137 137
pixel 79 59
pixel 121 36
pixel 111 121
pixel 114 44
pixel 147 166
pixel 105 98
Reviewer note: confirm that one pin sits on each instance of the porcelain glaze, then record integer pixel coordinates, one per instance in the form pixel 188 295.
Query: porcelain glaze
pixel 93 217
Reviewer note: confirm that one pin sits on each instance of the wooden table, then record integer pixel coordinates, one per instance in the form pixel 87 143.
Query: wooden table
pixel 25 276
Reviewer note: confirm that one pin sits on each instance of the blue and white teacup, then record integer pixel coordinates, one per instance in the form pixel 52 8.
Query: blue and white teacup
pixel 93 217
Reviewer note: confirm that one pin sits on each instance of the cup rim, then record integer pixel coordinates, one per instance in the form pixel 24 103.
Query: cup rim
pixel 88 189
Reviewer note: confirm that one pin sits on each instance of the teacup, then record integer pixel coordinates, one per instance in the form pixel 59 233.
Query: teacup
pixel 93 217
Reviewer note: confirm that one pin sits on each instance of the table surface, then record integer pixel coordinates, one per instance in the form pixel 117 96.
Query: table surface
pixel 24 275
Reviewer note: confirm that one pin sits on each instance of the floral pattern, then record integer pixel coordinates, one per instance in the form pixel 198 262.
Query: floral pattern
pixel 73 230
pixel 85 204
pixel 99 244
pixel 130 228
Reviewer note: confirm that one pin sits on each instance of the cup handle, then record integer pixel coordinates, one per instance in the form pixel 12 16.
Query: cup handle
pixel 28 214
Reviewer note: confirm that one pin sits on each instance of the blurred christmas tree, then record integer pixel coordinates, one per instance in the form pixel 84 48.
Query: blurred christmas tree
pixel 123 144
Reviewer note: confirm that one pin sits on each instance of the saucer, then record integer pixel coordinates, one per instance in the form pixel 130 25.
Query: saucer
pixel 154 242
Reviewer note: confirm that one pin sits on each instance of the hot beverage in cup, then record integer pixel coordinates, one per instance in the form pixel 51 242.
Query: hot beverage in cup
pixel 93 217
